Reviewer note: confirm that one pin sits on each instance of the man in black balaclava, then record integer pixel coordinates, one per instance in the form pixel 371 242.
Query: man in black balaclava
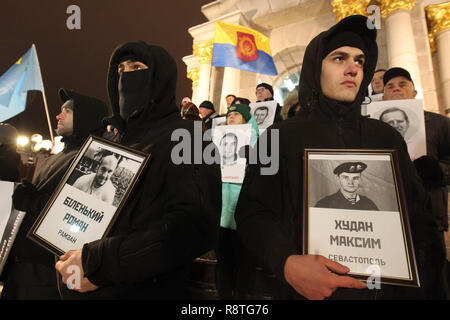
pixel 173 215
pixel 337 68
pixel 30 272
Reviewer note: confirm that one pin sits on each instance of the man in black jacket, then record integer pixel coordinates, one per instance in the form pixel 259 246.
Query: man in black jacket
pixel 30 272
pixel 337 68
pixel 173 215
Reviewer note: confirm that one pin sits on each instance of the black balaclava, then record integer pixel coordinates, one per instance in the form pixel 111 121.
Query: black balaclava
pixel 350 31
pixel 145 95
pixel 132 92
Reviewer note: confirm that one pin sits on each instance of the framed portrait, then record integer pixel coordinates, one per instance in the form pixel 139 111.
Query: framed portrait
pixel 407 117
pixel 90 196
pixel 355 213
pixel 264 113
pixel 230 140
pixel 10 221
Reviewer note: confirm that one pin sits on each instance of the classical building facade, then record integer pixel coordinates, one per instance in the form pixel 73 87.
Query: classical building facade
pixel 413 34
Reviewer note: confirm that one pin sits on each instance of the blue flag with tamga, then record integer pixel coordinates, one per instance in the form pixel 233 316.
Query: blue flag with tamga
pixel 24 75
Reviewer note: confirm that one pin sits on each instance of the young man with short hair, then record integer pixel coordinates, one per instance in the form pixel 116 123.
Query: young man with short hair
pixel 337 68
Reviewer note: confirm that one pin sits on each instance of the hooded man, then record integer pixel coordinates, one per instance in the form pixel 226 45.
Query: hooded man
pixel 30 273
pixel 173 215
pixel 337 68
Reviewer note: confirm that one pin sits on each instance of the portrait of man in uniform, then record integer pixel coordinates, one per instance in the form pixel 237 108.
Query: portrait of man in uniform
pixel 348 175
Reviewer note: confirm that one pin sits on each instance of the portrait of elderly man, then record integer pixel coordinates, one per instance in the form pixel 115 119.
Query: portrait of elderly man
pixel 396 118
pixel 99 183
pixel 229 145
pixel 348 175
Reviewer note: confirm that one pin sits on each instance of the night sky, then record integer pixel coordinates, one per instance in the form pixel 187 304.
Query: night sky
pixel 78 59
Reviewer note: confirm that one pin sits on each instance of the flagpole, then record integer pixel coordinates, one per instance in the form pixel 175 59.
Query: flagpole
pixel 44 97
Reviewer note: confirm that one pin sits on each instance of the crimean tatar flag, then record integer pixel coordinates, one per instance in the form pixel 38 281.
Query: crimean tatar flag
pixel 242 48
pixel 22 76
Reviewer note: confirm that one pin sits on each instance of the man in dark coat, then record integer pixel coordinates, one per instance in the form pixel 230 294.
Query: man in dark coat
pixel 30 272
pixel 434 167
pixel 337 68
pixel 173 215
pixel 348 175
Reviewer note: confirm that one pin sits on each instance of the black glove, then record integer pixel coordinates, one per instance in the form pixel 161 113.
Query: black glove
pixel 24 194
pixel 430 172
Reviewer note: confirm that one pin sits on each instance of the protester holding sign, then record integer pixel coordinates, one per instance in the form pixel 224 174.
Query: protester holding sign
pixel 31 273
pixel 337 68
pixel 173 216
pixel 231 258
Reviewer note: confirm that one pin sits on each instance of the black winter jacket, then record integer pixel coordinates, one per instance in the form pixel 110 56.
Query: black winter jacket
pixel 27 284
pixel 272 205
pixel 172 217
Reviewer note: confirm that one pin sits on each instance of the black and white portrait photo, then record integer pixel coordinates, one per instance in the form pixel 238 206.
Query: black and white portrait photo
pixel 104 174
pixel 405 116
pixel 349 177
pixel 229 148
pixel 352 185
pixel 354 204
pixel 90 196
pixel 230 139
pixel 264 113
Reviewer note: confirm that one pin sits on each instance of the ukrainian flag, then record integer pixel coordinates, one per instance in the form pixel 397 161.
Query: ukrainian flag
pixel 24 75
pixel 242 48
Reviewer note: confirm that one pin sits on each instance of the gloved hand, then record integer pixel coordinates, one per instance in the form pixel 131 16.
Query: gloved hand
pixel 430 172
pixel 24 195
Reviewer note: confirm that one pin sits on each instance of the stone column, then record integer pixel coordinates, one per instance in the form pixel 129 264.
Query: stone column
pixel 345 8
pixel 439 34
pixel 204 52
pixel 193 74
pixel 400 37
pixel 230 85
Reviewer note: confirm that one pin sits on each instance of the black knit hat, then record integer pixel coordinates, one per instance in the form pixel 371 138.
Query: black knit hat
pixel 207 105
pixel 267 86
pixel 243 109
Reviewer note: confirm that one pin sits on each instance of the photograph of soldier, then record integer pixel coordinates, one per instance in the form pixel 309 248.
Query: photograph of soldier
pixel 407 117
pixel 348 175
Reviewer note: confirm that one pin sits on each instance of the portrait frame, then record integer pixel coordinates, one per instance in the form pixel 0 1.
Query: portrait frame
pixel 64 222
pixel 374 242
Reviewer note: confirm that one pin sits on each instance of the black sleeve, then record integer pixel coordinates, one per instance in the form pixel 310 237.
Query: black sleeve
pixel 188 227
pixel 259 213
pixel 429 251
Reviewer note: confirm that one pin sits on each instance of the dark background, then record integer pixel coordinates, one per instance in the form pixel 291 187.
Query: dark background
pixel 78 59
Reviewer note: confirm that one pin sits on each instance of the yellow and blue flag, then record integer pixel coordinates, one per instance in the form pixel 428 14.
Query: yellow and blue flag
pixel 24 75
pixel 242 48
